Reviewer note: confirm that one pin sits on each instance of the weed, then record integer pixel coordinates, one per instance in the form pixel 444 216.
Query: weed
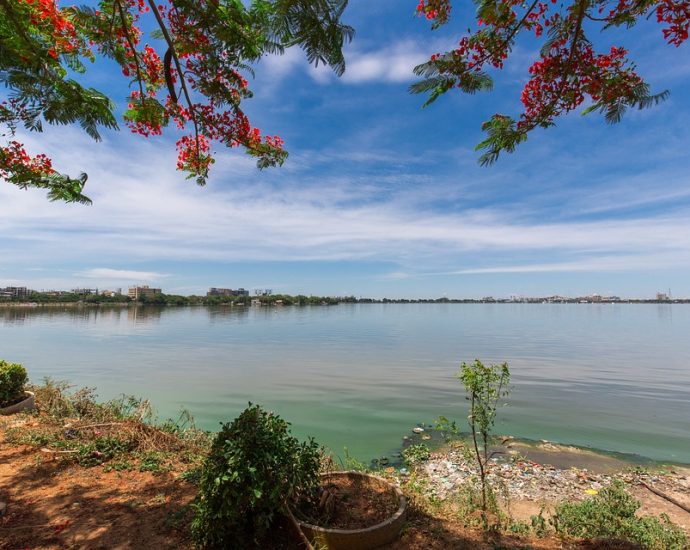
pixel 539 524
pixel 193 475
pixel 121 466
pixel 101 450
pixel 416 453
pixel 153 462
pixel 520 528
pixel 178 519
pixel 349 462
pixel 611 515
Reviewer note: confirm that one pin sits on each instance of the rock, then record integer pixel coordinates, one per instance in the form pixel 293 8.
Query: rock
pixel 404 472
pixel 418 430
pixel 3 508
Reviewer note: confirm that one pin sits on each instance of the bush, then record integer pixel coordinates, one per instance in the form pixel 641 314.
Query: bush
pixel 12 379
pixel 255 467
pixel 610 515
pixel 416 453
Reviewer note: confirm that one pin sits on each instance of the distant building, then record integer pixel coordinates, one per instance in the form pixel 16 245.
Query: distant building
pixel 15 292
pixel 84 291
pixel 662 297
pixel 226 292
pixel 136 292
pixel 111 293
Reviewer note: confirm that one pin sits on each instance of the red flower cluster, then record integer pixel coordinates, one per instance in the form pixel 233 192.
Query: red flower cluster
pixel 56 26
pixel 676 13
pixel 434 10
pixel 193 154
pixel 561 81
pixel 569 72
pixel 16 164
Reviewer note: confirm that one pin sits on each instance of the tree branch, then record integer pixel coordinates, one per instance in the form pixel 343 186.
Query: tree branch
pixel 178 66
pixel 140 78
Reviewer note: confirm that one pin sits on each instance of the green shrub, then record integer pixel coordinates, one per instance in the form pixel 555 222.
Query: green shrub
pixel 416 453
pixel 253 469
pixel 12 379
pixel 610 515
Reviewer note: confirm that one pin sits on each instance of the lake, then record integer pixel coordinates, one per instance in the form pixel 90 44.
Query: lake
pixel 608 376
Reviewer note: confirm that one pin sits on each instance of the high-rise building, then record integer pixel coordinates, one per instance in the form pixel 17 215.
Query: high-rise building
pixel 15 291
pixel 136 292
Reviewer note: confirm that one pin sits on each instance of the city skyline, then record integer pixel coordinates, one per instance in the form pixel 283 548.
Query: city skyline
pixel 133 291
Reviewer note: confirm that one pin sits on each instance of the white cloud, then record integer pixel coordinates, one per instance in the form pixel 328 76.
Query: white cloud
pixel 391 64
pixel 120 274
pixel 145 212
pixel 610 263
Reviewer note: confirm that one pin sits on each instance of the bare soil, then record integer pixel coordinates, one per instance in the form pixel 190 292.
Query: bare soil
pixel 351 503
pixel 51 505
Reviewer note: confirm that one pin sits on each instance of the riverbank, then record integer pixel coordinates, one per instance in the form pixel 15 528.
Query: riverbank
pixel 526 487
pixel 50 503
pixel 86 475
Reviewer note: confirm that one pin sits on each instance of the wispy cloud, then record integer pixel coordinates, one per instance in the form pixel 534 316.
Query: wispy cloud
pixel 143 211
pixel 388 64
pixel 121 274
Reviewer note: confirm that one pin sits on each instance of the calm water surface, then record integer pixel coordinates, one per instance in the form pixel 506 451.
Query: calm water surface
pixel 614 377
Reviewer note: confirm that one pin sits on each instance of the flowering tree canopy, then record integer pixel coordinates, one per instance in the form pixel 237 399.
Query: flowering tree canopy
pixel 568 72
pixel 190 75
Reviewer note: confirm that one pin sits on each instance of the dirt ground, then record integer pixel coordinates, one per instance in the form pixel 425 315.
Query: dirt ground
pixel 50 504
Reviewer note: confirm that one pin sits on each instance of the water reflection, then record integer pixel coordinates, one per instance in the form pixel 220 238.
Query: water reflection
pixel 664 312
pixel 136 315
pixel 14 315
pixel 144 315
pixel 227 313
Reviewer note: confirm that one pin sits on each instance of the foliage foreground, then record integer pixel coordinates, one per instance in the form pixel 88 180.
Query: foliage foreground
pixel 189 75
pixel 612 515
pixel 255 470
pixel 238 485
pixel 12 379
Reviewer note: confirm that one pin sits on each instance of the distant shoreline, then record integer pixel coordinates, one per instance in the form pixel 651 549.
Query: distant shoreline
pixel 119 305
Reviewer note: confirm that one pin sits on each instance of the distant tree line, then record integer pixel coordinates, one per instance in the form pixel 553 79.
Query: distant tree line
pixel 282 299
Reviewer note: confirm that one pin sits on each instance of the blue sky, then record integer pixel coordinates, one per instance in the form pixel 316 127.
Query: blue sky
pixel 378 197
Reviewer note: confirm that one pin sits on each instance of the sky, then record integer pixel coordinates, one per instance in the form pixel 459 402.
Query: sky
pixel 379 197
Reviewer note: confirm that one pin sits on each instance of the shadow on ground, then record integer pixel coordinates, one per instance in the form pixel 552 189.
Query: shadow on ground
pixel 51 504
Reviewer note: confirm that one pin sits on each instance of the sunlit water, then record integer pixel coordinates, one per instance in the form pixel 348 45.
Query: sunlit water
pixel 614 377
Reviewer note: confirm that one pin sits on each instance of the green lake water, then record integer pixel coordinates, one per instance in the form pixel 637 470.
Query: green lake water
pixel 608 376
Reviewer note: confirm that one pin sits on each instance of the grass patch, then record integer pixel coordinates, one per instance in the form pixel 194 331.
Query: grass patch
pixel 154 462
pixel 119 433
pixel 611 515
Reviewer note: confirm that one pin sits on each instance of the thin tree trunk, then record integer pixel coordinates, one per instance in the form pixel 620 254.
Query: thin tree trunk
pixel 479 456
